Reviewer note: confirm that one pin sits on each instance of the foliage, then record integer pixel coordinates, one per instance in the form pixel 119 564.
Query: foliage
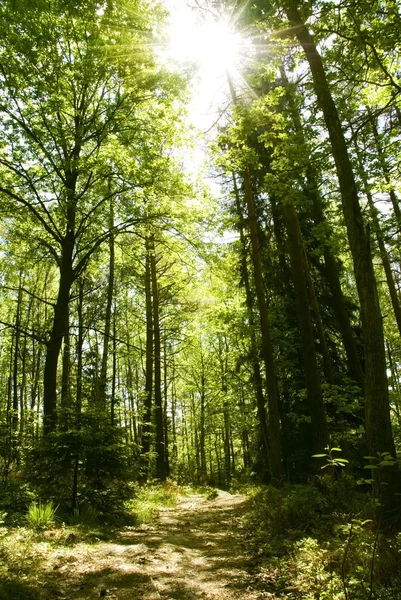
pixel 332 460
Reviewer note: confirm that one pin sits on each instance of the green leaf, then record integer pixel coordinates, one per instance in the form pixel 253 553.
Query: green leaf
pixel 341 460
pixel 319 455
pixel 370 467
pixel 336 450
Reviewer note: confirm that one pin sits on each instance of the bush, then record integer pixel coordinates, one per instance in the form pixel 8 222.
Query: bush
pixel 15 498
pixel 18 590
pixel 102 458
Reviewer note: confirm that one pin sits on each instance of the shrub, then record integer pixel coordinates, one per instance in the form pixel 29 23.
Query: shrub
pixel 18 590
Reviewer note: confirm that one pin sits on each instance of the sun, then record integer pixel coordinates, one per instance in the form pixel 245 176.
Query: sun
pixel 213 45
pixel 215 53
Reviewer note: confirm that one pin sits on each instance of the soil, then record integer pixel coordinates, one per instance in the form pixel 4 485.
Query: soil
pixel 193 550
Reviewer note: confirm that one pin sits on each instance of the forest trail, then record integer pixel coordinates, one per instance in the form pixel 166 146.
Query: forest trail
pixel 194 550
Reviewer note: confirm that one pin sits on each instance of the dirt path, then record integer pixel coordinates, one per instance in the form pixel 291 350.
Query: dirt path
pixel 195 550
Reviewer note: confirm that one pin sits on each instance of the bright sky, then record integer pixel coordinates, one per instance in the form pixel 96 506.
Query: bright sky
pixel 198 37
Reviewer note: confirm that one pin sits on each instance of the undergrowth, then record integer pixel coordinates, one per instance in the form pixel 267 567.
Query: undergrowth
pixel 321 542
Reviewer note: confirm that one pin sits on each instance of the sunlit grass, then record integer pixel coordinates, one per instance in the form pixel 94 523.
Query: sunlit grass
pixel 150 498
pixel 41 515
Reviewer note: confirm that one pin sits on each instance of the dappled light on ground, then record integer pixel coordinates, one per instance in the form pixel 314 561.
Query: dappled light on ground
pixel 194 550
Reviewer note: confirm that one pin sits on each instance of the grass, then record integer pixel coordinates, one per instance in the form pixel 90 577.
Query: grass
pixel 148 499
pixel 41 515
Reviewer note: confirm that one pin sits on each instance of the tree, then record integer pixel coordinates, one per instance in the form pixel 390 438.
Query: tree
pixel 63 155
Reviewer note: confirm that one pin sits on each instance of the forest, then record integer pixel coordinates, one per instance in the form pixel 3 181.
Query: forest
pixel 215 331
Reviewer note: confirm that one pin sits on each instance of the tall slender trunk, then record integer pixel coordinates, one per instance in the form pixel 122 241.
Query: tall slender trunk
pixel 173 413
pixel 65 399
pixel 165 407
pixel 147 402
pixel 80 344
pixel 312 378
pixel 108 316
pixel 256 374
pixel 113 398
pixel 160 446
pixel 385 259
pixel 78 398
pixel 15 412
pixel 385 169
pixel 274 428
pixel 202 422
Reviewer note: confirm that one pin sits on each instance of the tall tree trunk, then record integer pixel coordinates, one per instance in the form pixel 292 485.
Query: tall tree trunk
pixel 160 447
pixel 113 399
pixel 385 259
pixel 57 334
pixel 274 429
pixel 256 374
pixel 274 426
pixel 385 169
pixel 108 316
pixel 65 400
pixel 312 378
pixel 331 270
pixel 165 408
pixel 15 412
pixel 78 398
pixel 377 407
pixel 147 402
pixel 202 423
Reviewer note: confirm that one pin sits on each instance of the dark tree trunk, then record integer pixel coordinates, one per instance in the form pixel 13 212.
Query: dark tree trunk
pixel 274 428
pixel 312 378
pixel 256 374
pixel 57 334
pixel 331 270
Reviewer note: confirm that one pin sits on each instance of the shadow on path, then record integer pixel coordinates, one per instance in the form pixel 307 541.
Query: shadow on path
pixel 193 551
